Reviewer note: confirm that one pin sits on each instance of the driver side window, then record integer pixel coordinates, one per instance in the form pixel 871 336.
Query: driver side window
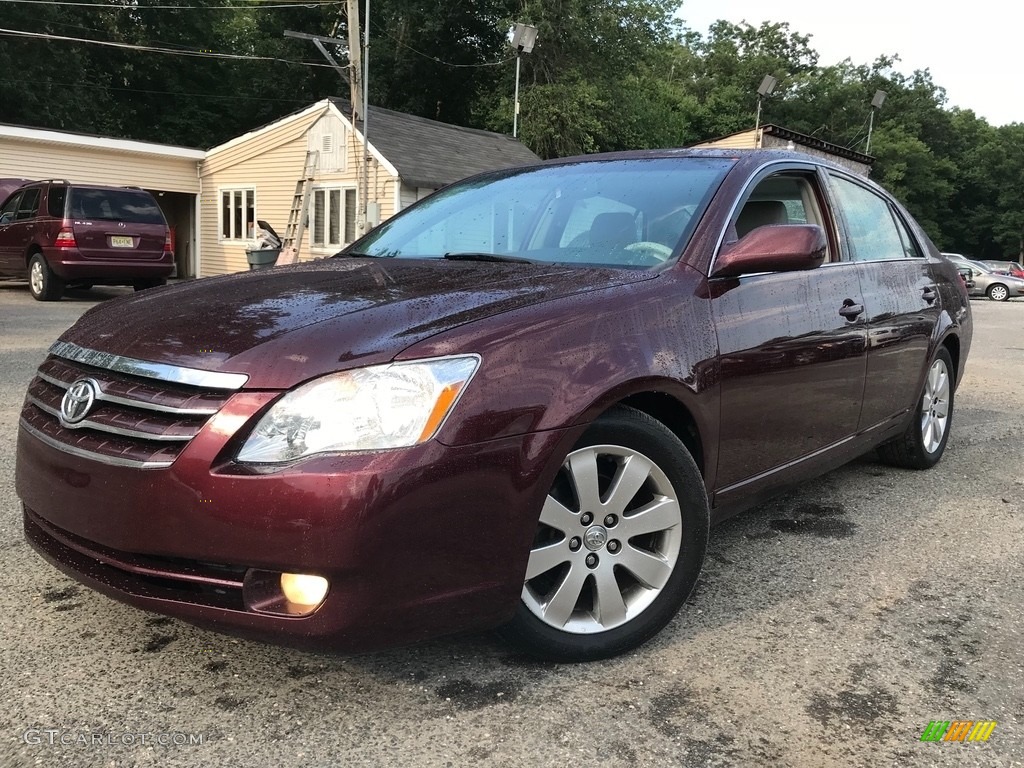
pixel 785 198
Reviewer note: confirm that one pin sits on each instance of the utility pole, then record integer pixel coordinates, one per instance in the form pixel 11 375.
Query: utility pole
pixel 353 75
pixel 356 95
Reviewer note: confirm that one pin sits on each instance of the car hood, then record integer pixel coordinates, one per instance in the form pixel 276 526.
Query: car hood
pixel 285 325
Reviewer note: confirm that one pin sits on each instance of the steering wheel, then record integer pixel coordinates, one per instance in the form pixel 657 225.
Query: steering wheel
pixel 657 253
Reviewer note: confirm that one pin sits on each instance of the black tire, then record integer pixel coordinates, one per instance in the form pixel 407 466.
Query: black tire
pixel 618 438
pixel 43 284
pixel 998 292
pixel 142 285
pixel 917 447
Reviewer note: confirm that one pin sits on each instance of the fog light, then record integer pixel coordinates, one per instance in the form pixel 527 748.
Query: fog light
pixel 304 589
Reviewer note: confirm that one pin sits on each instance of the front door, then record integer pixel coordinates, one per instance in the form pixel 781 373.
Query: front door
pixel 792 347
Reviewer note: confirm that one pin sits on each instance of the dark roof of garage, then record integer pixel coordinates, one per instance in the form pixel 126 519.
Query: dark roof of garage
pixel 428 153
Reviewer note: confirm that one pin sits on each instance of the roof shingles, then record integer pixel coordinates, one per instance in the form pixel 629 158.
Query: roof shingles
pixel 431 154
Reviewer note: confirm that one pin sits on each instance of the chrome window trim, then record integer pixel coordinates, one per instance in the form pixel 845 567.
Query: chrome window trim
pixel 87 424
pixel 91 455
pixel 142 404
pixel 174 373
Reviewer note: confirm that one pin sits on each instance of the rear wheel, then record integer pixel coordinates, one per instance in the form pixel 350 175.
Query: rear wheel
pixel 924 441
pixel 998 292
pixel 42 283
pixel 619 543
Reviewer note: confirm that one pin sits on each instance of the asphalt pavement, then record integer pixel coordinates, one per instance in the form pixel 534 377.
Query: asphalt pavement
pixel 829 628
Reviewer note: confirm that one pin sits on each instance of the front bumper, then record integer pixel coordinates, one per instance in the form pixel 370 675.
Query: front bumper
pixel 415 542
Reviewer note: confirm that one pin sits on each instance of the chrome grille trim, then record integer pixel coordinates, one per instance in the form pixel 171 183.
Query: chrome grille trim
pixel 91 455
pixel 174 373
pixel 143 404
pixel 89 424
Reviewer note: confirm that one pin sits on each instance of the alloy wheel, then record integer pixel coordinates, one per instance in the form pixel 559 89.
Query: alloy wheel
pixel 36 278
pixel 935 406
pixel 609 537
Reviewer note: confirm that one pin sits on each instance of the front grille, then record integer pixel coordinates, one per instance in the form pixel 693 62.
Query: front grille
pixel 136 420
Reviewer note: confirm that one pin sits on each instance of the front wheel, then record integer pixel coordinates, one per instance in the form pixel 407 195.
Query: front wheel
pixel 924 441
pixel 998 292
pixel 619 544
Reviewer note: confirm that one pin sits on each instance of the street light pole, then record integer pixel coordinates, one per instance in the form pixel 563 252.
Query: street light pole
pixel 524 36
pixel 515 109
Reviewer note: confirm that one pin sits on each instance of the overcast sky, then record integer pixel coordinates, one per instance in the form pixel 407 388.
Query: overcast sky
pixel 975 50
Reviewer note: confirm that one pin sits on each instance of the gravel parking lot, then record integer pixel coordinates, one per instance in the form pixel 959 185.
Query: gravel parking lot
pixel 829 627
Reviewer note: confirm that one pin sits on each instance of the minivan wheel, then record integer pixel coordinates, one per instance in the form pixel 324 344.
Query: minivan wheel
pixel 924 441
pixel 998 292
pixel 42 283
pixel 619 545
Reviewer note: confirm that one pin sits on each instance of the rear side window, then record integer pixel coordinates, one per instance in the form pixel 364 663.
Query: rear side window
pixel 874 235
pixel 29 204
pixel 55 201
pixel 128 205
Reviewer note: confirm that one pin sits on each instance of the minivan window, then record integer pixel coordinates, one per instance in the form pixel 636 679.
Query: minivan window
pixel 8 211
pixel 29 204
pixel 128 205
pixel 55 201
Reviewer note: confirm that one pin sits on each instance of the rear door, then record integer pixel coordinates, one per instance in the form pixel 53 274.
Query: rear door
pixel 901 298
pixel 116 224
pixel 792 346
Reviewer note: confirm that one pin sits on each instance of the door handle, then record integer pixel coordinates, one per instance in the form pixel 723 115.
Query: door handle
pixel 929 294
pixel 851 310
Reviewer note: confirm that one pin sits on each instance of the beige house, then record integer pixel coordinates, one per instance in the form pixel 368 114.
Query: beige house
pixel 170 173
pixel 262 175
pixel 212 199
pixel 775 137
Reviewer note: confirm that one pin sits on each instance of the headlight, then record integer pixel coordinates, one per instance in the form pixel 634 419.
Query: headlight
pixel 367 409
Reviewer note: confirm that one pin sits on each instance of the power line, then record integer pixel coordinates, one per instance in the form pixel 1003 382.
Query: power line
pixel 434 58
pixel 113 7
pixel 153 49
pixel 100 86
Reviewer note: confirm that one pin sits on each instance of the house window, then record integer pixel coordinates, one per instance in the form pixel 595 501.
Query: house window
pixel 334 216
pixel 237 214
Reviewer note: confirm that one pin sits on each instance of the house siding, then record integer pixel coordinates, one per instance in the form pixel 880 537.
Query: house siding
pixel 46 160
pixel 271 162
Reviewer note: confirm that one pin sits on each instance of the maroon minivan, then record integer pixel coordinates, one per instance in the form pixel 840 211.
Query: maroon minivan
pixel 520 403
pixel 60 234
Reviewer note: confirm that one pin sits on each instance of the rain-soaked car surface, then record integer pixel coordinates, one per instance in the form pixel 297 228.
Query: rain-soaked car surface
pixel 519 404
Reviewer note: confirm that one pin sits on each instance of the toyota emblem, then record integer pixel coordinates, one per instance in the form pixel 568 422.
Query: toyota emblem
pixel 78 400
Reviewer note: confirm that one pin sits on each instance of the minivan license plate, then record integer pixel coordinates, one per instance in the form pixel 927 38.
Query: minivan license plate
pixel 121 241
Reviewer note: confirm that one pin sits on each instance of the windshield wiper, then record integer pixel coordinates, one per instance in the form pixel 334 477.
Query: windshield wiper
pixel 482 256
pixel 359 255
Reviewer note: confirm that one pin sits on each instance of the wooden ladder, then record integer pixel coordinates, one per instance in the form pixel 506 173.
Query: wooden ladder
pixel 298 214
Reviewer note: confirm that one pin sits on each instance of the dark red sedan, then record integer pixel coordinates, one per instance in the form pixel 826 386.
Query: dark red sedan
pixel 520 403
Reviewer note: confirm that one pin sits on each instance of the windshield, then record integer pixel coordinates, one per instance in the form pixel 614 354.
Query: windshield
pixel 623 213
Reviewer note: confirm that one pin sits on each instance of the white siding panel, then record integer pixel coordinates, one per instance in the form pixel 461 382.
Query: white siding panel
pixel 44 160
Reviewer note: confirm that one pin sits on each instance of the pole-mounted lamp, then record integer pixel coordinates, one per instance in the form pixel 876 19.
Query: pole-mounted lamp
pixel 765 89
pixel 876 104
pixel 524 36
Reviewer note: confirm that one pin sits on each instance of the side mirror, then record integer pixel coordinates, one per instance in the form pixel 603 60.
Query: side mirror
pixel 6 218
pixel 773 248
